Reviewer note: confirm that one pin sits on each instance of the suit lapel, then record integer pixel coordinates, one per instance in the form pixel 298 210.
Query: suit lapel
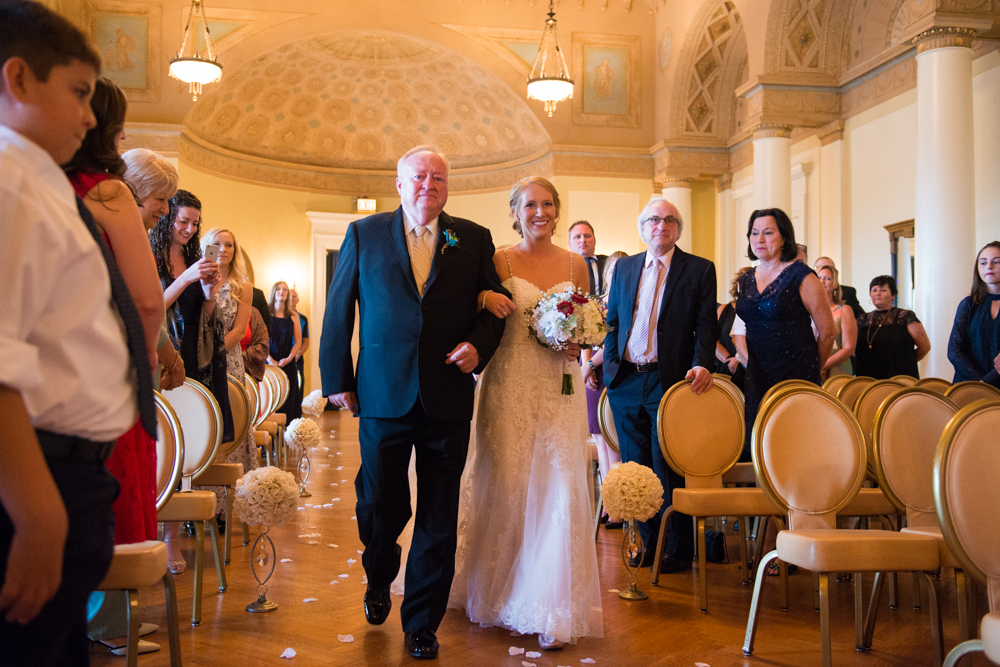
pixel 677 265
pixel 630 287
pixel 397 231
pixel 444 222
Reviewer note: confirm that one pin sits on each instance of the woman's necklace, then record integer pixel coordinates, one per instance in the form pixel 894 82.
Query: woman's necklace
pixel 870 335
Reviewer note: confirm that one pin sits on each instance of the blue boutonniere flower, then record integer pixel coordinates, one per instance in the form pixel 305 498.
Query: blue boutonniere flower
pixel 450 240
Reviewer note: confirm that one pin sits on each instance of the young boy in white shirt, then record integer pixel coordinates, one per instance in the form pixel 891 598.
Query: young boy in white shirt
pixel 67 383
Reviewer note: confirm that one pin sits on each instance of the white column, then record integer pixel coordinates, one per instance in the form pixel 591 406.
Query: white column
pixel 726 237
pixel 904 271
pixel 799 212
pixel 772 167
pixel 945 222
pixel 678 192
pixel 831 195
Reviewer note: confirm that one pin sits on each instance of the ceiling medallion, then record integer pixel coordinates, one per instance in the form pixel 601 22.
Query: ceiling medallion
pixel 195 70
pixel 550 80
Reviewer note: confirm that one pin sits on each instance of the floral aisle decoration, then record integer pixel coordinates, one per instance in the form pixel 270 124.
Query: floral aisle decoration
pixel 265 497
pixel 314 404
pixel 632 493
pixel 568 316
pixel 301 434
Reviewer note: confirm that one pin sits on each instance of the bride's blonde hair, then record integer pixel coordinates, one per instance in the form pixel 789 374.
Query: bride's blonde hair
pixel 518 190
pixel 237 268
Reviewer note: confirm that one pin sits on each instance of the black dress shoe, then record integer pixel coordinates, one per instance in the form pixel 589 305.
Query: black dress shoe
pixel 422 644
pixel 614 525
pixel 377 604
pixel 672 563
pixel 647 559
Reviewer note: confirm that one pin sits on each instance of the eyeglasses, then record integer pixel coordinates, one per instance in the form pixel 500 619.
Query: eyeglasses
pixel 655 220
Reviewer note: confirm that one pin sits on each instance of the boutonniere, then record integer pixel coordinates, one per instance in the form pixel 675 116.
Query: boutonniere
pixel 450 240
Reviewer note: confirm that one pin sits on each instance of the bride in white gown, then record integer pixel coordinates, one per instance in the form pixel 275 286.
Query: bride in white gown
pixel 526 556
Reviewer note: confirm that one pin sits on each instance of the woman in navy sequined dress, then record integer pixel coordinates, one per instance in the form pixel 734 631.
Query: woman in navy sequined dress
pixel 974 347
pixel 776 301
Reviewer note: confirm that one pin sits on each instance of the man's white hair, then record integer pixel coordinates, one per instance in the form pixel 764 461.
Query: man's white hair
pixel 416 150
pixel 653 202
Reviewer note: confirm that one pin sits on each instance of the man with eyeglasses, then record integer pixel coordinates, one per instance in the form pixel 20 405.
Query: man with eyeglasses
pixel 662 329
pixel 583 242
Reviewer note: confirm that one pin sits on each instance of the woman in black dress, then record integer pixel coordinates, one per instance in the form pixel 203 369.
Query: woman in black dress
pixel 890 340
pixel 974 346
pixel 776 301
pixel 286 339
pixel 726 355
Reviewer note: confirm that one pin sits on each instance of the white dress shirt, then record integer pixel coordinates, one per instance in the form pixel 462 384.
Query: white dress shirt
pixel 664 270
pixel 62 343
pixel 420 262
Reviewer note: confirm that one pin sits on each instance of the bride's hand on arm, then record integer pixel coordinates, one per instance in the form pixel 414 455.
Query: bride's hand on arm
pixel 499 305
pixel 572 351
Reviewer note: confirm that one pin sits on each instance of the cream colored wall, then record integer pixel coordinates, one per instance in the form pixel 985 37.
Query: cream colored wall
pixel 986 110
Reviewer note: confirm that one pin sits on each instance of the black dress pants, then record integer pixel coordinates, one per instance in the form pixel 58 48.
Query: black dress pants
pixel 383 507
pixel 57 637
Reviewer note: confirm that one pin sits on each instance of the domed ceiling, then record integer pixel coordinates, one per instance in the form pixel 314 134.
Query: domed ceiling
pixel 360 99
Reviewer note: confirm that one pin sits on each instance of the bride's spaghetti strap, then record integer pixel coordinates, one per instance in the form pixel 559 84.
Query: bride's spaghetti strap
pixel 511 271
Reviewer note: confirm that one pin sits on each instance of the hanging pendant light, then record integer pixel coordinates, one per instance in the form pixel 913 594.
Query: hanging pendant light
pixel 550 80
pixel 195 70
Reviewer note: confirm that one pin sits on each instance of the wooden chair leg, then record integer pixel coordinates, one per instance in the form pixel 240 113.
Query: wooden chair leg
pixel 824 618
pixel 173 631
pixel 228 491
pixel 859 612
pixel 661 541
pixel 199 571
pixel 873 611
pixel 755 602
pixel 132 616
pixel 702 564
pixel 220 570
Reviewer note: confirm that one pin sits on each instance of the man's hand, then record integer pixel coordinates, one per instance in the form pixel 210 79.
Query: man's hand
pixel 733 363
pixel 34 566
pixel 465 356
pixel 347 400
pixel 702 379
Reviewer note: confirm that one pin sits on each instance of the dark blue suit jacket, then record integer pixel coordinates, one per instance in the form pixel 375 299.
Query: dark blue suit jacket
pixel 687 327
pixel 405 339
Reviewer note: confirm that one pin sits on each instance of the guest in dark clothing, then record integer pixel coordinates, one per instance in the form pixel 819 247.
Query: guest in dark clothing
pixel 260 303
pixel 776 301
pixel 974 346
pixel 300 360
pixel 286 339
pixel 890 340
pixel 726 358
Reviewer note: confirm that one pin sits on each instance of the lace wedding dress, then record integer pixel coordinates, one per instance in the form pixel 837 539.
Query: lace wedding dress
pixel 526 558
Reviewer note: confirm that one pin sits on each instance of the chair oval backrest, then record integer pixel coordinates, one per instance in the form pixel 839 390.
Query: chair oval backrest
pixel 850 390
pixel 239 403
pixel 169 450
pixel 201 419
pixel 253 393
pixel 266 392
pixel 908 380
pixel 607 422
pixel 966 469
pixel 701 436
pixel 835 382
pixel 781 386
pixel 934 384
pixel 283 387
pixel 867 405
pixel 274 384
pixel 905 437
pixel 809 455
pixel 971 391
pixel 726 382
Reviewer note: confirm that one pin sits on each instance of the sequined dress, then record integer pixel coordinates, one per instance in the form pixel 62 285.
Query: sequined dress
pixel 780 340
pixel 526 558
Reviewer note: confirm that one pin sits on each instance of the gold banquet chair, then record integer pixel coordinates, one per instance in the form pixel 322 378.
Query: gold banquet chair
pixel 701 437
pixel 814 479
pixel 201 421
pixel 274 423
pixel 835 382
pixel 906 432
pixel 939 385
pixel 907 380
pixel 849 391
pixel 966 497
pixel 223 474
pixel 606 421
pixel 141 564
pixel 971 391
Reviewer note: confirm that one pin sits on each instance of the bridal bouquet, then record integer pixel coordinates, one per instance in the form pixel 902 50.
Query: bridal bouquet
pixel 266 497
pixel 632 491
pixel 302 433
pixel 314 403
pixel 569 316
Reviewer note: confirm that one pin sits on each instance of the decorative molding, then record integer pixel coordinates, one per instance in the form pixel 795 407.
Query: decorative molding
pixel 674 182
pixel 937 38
pixel 831 132
pixel 771 130
pixel 164 138
pixel 591 164
pixel 685 162
pixel 255 22
pixel 492 39
pixel 606 87
pixel 117 55
pixel 723 182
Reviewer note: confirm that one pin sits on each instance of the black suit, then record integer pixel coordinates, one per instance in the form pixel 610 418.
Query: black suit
pixel 850 296
pixel 597 285
pixel 686 333
pixel 408 396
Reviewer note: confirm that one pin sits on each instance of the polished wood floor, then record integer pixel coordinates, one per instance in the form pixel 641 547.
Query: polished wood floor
pixel 667 629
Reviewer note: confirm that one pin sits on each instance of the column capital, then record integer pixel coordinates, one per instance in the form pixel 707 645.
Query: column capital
pixel 723 183
pixel 767 130
pixel 831 132
pixel 676 182
pixel 936 38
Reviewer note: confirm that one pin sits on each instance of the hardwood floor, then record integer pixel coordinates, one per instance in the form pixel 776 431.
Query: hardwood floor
pixel 667 629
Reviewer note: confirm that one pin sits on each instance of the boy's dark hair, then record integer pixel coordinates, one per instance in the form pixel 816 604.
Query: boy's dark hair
pixel 98 152
pixel 44 39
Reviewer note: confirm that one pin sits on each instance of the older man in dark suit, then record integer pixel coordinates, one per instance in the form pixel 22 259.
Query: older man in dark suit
pixel 662 329
pixel 414 275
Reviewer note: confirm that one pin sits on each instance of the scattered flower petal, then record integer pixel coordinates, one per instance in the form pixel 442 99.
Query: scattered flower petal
pixel 513 650
pixel 354 518
pixel 364 578
pixel 327 504
pixel 532 654
pixel 360 551
pixel 286 560
pixel 312 542
pixel 340 467
pixel 614 590
pixel 333 546
pixel 343 481
pixel 351 561
pixel 300 508
pixel 343 576
pixel 287 653
pixel 588 661
pixel 310 599
pixel 525 663
pixel 335 500
pixel 701 664
pixel 347 639
pixel 338 453
pixel 310 535
pixel 335 581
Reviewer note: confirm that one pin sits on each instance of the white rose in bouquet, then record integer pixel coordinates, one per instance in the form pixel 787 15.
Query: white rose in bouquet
pixel 302 432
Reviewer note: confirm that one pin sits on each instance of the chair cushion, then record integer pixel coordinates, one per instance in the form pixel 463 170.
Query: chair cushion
pixel 947 559
pixel 220 474
pixel 136 565
pixel 268 427
pixel 261 438
pixel 188 506
pixel 989 630
pixel 858 550
pixel 723 502
pixel 869 502
pixel 741 473
pixel 276 418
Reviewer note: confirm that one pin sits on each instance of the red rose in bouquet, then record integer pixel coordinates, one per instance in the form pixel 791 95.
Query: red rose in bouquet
pixel 565 307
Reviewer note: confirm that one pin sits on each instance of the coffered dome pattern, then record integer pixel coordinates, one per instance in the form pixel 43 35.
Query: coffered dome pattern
pixel 359 100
